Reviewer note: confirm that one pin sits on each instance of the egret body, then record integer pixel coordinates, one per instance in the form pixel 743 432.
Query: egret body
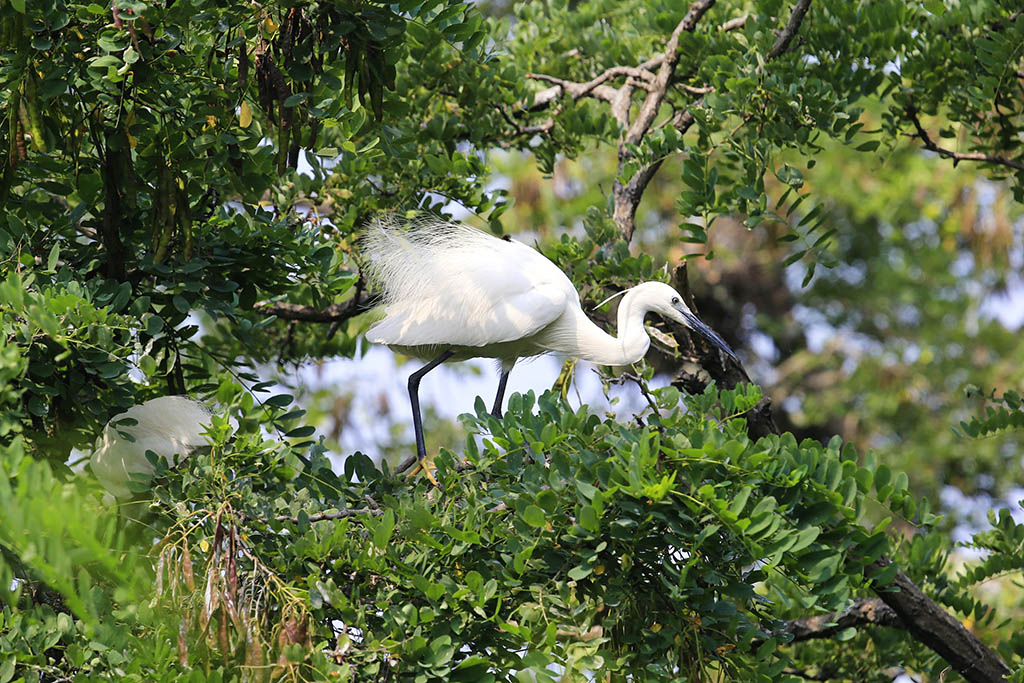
pixel 451 292
pixel 170 426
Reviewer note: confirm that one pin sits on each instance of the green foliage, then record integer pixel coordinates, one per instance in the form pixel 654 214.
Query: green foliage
pixel 173 171
pixel 561 540
pixel 1005 413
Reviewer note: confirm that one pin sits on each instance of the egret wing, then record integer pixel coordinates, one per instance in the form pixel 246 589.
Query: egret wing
pixel 483 301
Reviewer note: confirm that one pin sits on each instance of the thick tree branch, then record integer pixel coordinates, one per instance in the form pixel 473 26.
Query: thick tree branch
pixel 649 109
pixel 957 157
pixel 796 17
pixel 930 624
pixel 627 195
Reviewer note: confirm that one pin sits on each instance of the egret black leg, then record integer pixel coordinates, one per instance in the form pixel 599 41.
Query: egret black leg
pixel 502 381
pixel 414 399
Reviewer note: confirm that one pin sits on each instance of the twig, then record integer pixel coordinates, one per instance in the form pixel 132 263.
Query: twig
pixel 593 88
pixel 628 377
pixel 733 24
pixel 957 157
pixel 696 91
pixel 544 127
pixel 406 464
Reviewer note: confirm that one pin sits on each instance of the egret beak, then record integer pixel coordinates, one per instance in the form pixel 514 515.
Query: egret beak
pixel 695 324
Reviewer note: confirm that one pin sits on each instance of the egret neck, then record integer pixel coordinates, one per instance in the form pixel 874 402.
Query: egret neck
pixel 632 342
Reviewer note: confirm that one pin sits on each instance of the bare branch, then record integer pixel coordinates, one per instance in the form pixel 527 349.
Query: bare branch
pixel 734 24
pixel 338 514
pixel 796 17
pixel 957 157
pixel 543 127
pixel 336 313
pixel 863 612
pixel 627 195
pixel 666 70
pixel 591 88
pixel 309 314
pixel 696 91
pixel 545 97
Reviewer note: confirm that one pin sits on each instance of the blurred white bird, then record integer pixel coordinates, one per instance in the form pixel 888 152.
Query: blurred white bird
pixel 170 426
pixel 451 292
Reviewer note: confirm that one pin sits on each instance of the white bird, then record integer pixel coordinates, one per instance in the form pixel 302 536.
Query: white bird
pixel 451 292
pixel 170 426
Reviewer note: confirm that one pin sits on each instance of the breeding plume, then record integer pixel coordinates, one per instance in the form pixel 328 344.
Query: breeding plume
pixel 170 426
pixel 451 292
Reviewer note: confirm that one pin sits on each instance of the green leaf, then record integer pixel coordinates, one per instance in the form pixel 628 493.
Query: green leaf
pixel 740 501
pixel 534 516
pixel 804 538
pixel 7 667
pixel 279 400
pixel 383 530
pixel 51 260
pixel 589 519
pixel 580 572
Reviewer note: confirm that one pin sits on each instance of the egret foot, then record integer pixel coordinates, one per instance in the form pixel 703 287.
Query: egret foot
pixel 427 466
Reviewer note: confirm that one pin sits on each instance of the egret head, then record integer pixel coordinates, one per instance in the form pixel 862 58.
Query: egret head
pixel 667 302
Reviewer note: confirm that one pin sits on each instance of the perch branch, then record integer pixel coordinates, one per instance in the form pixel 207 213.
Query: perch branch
pixel 335 313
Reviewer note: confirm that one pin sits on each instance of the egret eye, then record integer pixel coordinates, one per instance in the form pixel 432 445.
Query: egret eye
pixel 675 300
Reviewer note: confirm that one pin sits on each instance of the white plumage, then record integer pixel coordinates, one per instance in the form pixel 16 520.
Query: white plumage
pixel 451 292
pixel 170 426
pixel 441 284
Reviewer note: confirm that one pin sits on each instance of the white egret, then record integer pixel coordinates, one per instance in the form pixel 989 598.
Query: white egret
pixel 170 426
pixel 451 292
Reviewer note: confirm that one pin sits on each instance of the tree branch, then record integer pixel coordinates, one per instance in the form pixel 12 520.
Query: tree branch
pixel 627 195
pixel 930 624
pixel 338 514
pixel 796 17
pixel 649 109
pixel 863 612
pixel 360 303
pixel 957 157
pixel 733 24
